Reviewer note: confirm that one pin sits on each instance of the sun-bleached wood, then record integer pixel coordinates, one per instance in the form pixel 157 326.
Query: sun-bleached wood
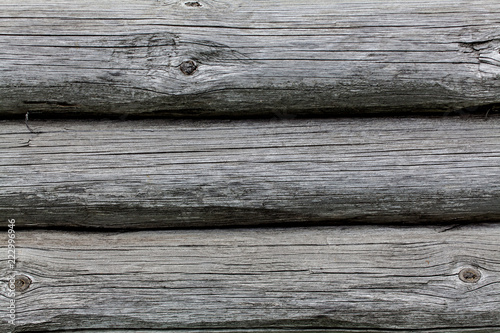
pixel 353 279
pixel 248 57
pixel 164 174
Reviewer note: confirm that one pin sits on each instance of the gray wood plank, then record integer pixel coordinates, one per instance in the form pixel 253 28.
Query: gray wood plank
pixel 285 57
pixel 164 174
pixel 351 279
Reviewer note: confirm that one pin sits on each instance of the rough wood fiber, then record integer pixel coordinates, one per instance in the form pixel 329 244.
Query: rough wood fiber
pixel 253 57
pixel 162 174
pixel 354 279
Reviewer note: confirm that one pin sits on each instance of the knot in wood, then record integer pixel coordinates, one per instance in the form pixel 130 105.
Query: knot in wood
pixel 188 67
pixel 193 4
pixel 22 283
pixel 469 275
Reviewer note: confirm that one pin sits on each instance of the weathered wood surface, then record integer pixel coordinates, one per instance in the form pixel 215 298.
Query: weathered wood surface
pixel 353 279
pixel 253 57
pixel 162 174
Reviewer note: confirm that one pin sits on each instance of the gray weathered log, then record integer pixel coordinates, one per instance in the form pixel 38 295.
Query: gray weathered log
pixel 353 279
pixel 249 57
pixel 163 174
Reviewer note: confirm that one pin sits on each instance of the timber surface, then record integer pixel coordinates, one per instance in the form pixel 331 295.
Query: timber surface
pixel 181 174
pixel 344 279
pixel 253 57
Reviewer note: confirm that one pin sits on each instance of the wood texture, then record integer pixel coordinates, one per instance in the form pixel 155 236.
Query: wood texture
pixel 164 174
pixel 352 279
pixel 258 57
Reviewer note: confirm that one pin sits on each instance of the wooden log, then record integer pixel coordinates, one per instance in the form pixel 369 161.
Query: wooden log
pixel 247 58
pixel 180 174
pixel 354 279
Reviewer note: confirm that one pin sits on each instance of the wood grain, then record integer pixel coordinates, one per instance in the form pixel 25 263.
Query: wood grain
pixel 253 58
pixel 181 174
pixel 351 279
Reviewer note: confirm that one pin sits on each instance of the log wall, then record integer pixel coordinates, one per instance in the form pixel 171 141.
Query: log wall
pixel 285 221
